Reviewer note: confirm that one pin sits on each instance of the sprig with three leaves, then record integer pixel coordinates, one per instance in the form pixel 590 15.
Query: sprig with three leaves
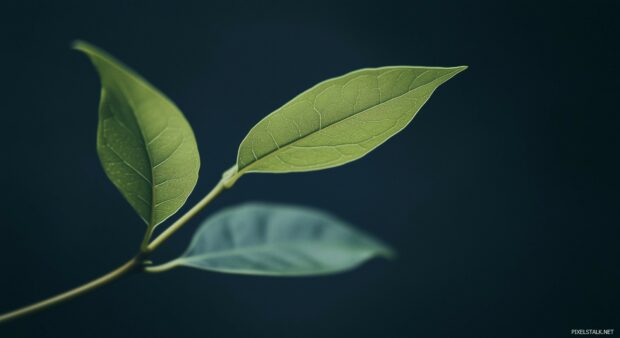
pixel 148 150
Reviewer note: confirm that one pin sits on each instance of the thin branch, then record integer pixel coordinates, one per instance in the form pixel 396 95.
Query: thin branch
pixel 185 218
pixel 103 280
pixel 134 263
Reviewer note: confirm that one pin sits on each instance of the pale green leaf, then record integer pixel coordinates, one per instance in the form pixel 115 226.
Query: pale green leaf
pixel 277 240
pixel 339 120
pixel 145 144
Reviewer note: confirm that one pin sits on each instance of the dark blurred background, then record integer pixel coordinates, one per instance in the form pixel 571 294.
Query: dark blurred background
pixel 501 197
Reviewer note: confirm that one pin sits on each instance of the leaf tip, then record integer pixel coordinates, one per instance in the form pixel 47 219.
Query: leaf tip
pixel 89 49
pixel 388 253
pixel 81 45
pixel 459 69
pixel 92 51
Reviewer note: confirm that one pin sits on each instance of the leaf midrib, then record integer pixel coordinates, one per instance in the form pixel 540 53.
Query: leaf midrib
pixel 286 145
pixel 266 248
pixel 135 80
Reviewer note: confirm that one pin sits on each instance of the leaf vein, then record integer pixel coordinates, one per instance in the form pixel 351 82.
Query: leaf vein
pixel 128 164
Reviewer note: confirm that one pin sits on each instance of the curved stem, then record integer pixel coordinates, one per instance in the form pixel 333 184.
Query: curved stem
pixel 227 180
pixel 161 268
pixel 191 213
pixel 105 279
pixel 146 239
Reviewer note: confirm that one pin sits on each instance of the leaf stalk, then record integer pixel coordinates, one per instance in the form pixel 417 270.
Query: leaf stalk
pixel 133 265
pixel 121 271
pixel 219 187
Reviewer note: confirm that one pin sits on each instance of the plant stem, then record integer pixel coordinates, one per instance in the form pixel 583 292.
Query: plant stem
pixel 132 264
pixel 188 215
pixel 105 279
pixel 161 268
pixel 146 239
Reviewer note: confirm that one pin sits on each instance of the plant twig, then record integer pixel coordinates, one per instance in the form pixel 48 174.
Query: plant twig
pixel 123 270
pixel 186 217
pixel 161 268
pixel 128 267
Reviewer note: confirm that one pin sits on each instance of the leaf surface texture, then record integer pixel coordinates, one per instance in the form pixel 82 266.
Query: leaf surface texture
pixel 339 120
pixel 278 240
pixel 145 144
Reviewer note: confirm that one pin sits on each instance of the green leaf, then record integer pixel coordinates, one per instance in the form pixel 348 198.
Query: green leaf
pixel 277 240
pixel 339 120
pixel 145 144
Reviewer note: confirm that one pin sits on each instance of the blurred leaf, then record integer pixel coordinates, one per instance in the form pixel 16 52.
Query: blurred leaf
pixel 277 240
pixel 145 145
pixel 339 120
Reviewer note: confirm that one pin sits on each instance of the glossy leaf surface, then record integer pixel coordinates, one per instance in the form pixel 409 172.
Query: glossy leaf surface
pixel 145 144
pixel 339 120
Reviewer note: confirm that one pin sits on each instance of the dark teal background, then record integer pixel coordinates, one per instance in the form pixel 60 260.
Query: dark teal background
pixel 501 197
